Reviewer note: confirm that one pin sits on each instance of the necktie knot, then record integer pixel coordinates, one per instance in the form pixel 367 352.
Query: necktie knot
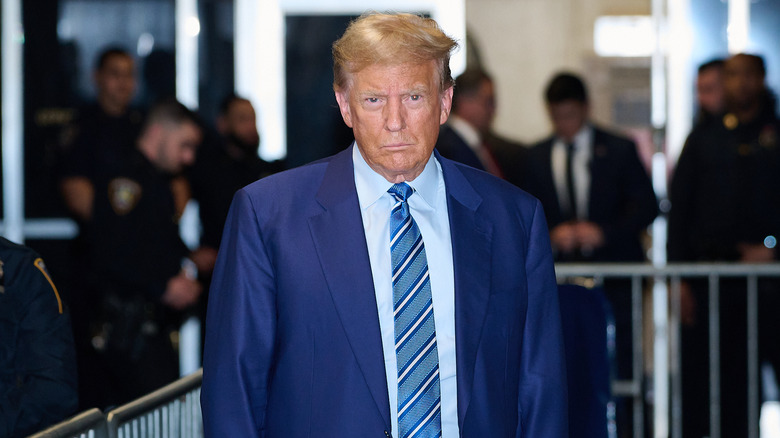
pixel 401 191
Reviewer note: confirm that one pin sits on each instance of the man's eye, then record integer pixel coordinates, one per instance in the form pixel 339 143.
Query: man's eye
pixel 415 97
pixel 372 99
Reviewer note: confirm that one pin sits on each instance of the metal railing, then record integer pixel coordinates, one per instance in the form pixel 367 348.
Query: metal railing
pixel 170 412
pixel 88 424
pixel 174 411
pixel 666 380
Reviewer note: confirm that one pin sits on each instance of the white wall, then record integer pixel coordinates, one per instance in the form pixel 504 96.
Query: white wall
pixel 524 42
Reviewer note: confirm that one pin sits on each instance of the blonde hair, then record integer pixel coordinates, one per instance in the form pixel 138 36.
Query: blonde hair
pixel 391 39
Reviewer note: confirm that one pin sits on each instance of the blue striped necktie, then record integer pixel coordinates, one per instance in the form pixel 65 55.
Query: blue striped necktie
pixel 419 401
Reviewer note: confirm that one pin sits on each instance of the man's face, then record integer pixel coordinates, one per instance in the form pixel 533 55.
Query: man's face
pixel 395 113
pixel 478 108
pixel 567 117
pixel 240 125
pixel 743 82
pixel 177 146
pixel 709 90
pixel 116 81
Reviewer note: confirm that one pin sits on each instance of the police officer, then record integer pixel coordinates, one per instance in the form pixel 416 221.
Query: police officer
pixel 136 259
pixel 223 166
pixel 103 130
pixel 37 358
pixel 726 207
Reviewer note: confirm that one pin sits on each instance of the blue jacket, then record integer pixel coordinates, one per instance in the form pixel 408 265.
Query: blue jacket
pixel 293 343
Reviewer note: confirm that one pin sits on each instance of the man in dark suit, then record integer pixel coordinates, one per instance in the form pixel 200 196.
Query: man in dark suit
pixel 597 197
pixel 343 289
pixel 596 194
pixel 467 136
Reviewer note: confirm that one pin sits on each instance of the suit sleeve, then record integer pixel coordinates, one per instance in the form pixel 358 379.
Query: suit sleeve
pixel 640 205
pixel 241 329
pixel 543 406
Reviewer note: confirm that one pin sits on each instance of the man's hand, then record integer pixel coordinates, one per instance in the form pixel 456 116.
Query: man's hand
pixel 755 253
pixel 564 237
pixel 182 193
pixel 78 194
pixel 687 305
pixel 204 258
pixel 181 292
pixel 589 236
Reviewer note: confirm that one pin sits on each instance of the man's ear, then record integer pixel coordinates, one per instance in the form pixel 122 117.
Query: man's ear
pixel 446 105
pixel 342 98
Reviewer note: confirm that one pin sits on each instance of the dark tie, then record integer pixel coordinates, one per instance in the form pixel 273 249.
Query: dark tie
pixel 419 400
pixel 572 213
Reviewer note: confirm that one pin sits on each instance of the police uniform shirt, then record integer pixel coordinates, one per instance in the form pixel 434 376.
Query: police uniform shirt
pixel 134 234
pixel 99 141
pixel 726 189
pixel 215 177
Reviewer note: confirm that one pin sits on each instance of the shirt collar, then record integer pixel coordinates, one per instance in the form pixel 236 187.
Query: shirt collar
pixel 581 138
pixel 371 186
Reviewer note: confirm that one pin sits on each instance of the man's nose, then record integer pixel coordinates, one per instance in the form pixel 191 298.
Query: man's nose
pixel 395 117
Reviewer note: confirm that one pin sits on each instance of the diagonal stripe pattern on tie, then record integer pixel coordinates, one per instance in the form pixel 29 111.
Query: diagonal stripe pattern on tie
pixel 419 399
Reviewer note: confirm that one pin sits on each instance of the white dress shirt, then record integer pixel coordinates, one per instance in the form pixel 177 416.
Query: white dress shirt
pixel 428 206
pixel 475 142
pixel 580 170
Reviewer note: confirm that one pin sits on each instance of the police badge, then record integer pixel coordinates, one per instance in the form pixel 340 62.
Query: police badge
pixel 123 193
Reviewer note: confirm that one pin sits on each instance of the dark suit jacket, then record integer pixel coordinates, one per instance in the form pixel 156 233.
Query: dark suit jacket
pixel 509 155
pixel 293 344
pixel 452 146
pixel 621 201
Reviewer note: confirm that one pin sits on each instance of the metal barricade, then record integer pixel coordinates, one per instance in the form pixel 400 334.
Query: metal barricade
pixel 170 412
pixel 666 382
pixel 88 424
pixel 174 411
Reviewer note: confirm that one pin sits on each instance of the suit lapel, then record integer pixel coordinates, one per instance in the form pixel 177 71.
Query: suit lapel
pixel 471 252
pixel 341 246
pixel 599 155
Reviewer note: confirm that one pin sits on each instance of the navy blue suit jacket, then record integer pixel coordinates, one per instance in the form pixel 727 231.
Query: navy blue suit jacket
pixel 293 343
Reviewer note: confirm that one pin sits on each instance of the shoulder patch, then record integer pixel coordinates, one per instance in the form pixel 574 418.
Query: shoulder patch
pixel 42 267
pixel 123 193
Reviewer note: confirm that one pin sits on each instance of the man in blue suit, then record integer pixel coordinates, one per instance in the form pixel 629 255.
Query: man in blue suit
pixel 385 291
